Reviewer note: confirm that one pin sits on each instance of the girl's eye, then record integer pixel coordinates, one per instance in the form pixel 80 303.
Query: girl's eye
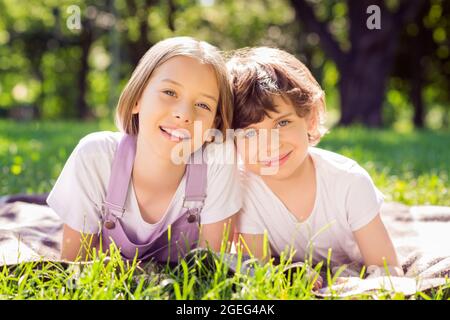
pixel 283 123
pixel 204 106
pixel 250 133
pixel 170 93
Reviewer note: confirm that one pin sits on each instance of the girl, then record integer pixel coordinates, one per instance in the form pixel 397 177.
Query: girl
pixel 128 186
pixel 313 200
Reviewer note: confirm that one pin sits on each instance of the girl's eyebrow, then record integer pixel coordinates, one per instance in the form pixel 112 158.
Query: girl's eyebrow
pixel 172 81
pixel 180 85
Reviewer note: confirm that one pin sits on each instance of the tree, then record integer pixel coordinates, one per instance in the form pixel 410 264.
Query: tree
pixel 423 58
pixel 364 68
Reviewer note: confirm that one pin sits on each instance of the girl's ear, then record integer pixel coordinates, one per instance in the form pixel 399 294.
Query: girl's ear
pixel 136 108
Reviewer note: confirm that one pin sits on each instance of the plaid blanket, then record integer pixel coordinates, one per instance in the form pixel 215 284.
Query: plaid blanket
pixel 421 235
pixel 28 232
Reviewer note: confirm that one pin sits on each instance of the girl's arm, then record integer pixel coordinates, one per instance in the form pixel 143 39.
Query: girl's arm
pixel 75 244
pixel 376 246
pixel 212 234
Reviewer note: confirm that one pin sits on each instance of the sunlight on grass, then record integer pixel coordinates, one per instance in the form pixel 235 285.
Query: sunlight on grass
pixel 201 275
pixel 411 168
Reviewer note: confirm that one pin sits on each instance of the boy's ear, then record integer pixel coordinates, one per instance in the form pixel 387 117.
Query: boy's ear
pixel 311 120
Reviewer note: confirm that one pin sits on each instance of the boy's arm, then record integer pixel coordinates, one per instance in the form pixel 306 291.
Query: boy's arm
pixel 75 244
pixel 253 245
pixel 375 244
pixel 212 234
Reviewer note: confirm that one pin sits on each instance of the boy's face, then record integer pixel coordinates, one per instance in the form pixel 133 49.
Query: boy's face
pixel 277 146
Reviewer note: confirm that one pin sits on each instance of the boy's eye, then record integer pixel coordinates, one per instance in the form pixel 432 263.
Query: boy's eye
pixel 250 133
pixel 170 93
pixel 203 106
pixel 283 123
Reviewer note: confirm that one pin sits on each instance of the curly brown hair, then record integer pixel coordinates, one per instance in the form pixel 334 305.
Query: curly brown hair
pixel 258 74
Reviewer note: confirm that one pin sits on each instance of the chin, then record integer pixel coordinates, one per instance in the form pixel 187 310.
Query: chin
pixel 279 175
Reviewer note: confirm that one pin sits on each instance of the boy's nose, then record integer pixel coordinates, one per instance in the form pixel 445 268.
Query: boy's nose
pixel 273 140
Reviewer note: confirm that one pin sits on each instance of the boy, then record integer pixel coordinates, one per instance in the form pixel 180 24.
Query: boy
pixel 314 200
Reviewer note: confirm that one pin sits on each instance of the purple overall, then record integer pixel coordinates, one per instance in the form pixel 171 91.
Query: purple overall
pixel 184 229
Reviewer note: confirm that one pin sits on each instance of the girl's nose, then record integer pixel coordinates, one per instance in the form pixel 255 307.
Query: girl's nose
pixel 183 114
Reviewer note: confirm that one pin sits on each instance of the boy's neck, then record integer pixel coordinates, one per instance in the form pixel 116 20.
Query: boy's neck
pixel 302 174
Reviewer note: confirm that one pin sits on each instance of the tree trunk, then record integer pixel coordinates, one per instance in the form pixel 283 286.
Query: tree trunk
pixel 416 98
pixel 363 80
pixel 86 39
pixel 362 95
pixel 364 69
pixel 136 49
pixel 417 79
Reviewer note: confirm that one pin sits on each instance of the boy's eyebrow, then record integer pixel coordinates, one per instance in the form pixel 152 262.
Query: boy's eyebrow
pixel 282 116
pixel 180 85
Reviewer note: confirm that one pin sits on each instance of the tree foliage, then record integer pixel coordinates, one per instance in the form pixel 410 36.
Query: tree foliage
pixel 48 70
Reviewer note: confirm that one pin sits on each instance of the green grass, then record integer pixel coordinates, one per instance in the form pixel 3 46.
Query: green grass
pixel 110 278
pixel 410 168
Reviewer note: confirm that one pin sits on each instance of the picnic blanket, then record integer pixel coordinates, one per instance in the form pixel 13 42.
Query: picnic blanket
pixel 421 236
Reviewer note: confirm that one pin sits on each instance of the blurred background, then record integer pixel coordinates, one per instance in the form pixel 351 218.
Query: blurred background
pixel 385 72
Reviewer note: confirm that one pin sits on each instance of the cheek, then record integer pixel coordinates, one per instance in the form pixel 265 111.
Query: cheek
pixel 296 137
pixel 151 106
pixel 247 151
pixel 208 122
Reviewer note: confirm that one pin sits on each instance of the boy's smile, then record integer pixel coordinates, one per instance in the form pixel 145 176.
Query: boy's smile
pixel 286 146
pixel 277 161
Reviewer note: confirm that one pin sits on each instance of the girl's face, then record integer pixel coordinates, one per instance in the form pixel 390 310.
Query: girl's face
pixel 276 158
pixel 182 91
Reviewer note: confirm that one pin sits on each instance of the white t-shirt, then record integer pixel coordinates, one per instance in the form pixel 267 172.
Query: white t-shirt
pixel 346 200
pixel 80 190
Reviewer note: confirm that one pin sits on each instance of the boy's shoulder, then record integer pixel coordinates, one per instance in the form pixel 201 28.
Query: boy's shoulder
pixel 336 165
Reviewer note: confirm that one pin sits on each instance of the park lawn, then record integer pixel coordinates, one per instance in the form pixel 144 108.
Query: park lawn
pixel 411 168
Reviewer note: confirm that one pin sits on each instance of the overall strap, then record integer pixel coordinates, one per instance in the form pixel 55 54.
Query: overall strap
pixel 196 182
pixel 195 192
pixel 119 181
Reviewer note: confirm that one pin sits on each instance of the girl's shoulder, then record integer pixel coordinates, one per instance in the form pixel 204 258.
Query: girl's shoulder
pixel 101 142
pixel 216 154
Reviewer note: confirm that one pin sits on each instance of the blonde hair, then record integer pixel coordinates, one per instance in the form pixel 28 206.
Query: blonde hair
pixel 162 51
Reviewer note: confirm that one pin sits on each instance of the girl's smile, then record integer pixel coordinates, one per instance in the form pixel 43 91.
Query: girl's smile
pixel 175 134
pixel 180 93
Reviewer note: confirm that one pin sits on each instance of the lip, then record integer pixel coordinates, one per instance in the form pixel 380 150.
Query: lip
pixel 277 161
pixel 170 132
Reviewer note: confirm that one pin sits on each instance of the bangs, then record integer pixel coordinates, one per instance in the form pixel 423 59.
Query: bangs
pixel 258 75
pixel 256 86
